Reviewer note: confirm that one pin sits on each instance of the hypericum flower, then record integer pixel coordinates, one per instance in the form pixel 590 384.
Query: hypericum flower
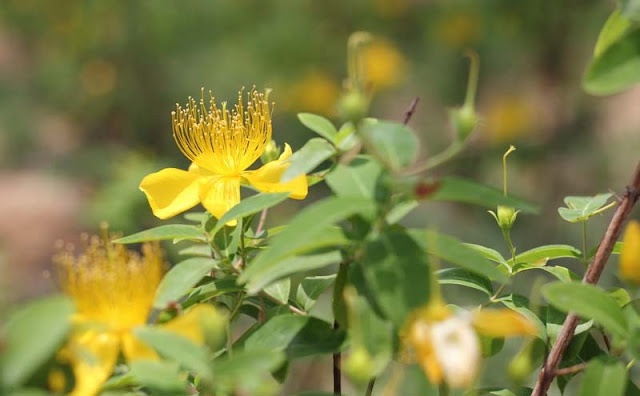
pixel 221 145
pixel 113 291
pixel 446 345
pixel 630 254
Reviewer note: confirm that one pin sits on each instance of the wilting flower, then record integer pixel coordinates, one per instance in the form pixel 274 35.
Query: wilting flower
pixel 221 145
pixel 113 291
pixel 630 254
pixel 446 344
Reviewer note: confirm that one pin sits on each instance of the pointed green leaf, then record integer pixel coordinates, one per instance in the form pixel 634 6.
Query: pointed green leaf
pixel 317 337
pixel 614 28
pixel 280 290
pixel 164 232
pixel 319 125
pixel 357 179
pixel 460 190
pixel 548 252
pixel 604 377
pixel 160 376
pixel 249 206
pixel 311 288
pixel 276 333
pixel 181 278
pixel 394 143
pixel 461 277
pixel 616 68
pixel 312 154
pixel 32 335
pixel 581 208
pixel 589 302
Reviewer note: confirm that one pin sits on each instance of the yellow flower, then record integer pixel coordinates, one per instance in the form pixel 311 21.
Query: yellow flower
pixel 113 290
pixel 630 254
pixel 316 92
pixel 221 145
pixel 508 118
pixel 446 345
pixel 384 66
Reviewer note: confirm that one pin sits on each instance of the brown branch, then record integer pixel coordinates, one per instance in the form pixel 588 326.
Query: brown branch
pixel 548 372
pixel 571 369
pixel 411 110
pixel 337 369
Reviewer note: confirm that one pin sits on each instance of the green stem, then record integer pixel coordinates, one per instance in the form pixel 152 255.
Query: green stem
pixel 443 389
pixel 237 306
pixel 584 242
pixel 440 158
pixel 512 249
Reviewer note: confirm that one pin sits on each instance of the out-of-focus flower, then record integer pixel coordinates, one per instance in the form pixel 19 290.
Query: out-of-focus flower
pixel 508 118
pixel 221 144
pixel 383 65
pixel 98 77
pixel 630 254
pixel 391 8
pixel 458 30
pixel 113 291
pixel 446 344
pixel 315 92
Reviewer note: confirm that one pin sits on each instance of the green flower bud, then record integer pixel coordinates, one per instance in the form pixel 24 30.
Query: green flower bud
pixel 464 120
pixel 270 153
pixel 359 366
pixel 526 361
pixel 505 216
pixel 353 106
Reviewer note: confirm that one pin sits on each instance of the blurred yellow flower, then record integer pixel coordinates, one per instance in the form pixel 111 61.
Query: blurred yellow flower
pixel 221 144
pixel 458 30
pixel 508 118
pixel 392 8
pixel 316 92
pixel 630 254
pixel 383 65
pixel 446 345
pixel 113 291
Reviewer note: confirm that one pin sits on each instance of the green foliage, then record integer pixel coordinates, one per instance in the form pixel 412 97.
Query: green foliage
pixel 164 232
pixel 582 208
pixel 393 143
pixel 604 377
pixel 181 278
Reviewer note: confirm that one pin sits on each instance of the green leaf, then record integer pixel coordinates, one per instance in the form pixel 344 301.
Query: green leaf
pixel 181 278
pixel 631 9
pixel 317 337
pixel 246 370
pixel 198 250
pixel 347 138
pixel 562 273
pixel 615 69
pixel 589 302
pixel 489 253
pixel 555 320
pixel 32 335
pixel 581 208
pixel 460 190
pixel 615 27
pixel 249 206
pixel 212 288
pixel 311 288
pixel 276 333
pixel 256 280
pixel 357 179
pixel 397 270
pixel 393 142
pixel 177 348
pixel 312 154
pixel 452 250
pixel 319 125
pixel 400 210
pixel 604 378
pixel 305 232
pixel 163 232
pixel 280 290
pixel 160 376
pixel 521 305
pixel 461 277
pixel 548 252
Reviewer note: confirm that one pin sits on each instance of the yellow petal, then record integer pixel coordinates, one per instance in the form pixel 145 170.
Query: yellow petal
pixel 191 325
pixel 421 341
pixel 630 254
pixel 171 191
pixel 503 323
pixel 267 178
pixel 92 356
pixel 134 349
pixel 220 194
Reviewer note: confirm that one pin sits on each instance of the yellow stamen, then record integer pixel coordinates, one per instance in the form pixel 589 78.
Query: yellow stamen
pixel 222 141
pixel 109 284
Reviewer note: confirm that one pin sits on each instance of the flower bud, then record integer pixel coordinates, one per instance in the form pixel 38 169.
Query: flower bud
pixel 359 366
pixel 630 254
pixel 526 361
pixel 505 216
pixel 464 120
pixel 270 153
pixel 353 106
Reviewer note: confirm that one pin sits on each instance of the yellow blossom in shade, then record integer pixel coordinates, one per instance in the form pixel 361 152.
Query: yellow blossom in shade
pixel 508 118
pixel 113 291
pixel 315 92
pixel 459 30
pixel 630 255
pixel 446 345
pixel 383 65
pixel 221 145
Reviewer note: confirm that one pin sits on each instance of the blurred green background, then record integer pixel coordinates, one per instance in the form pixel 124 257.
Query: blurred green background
pixel 87 86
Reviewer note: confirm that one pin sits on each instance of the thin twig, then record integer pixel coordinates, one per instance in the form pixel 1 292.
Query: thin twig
pixel 571 369
pixel 337 377
pixel 548 372
pixel 263 218
pixel 411 110
pixel 370 387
